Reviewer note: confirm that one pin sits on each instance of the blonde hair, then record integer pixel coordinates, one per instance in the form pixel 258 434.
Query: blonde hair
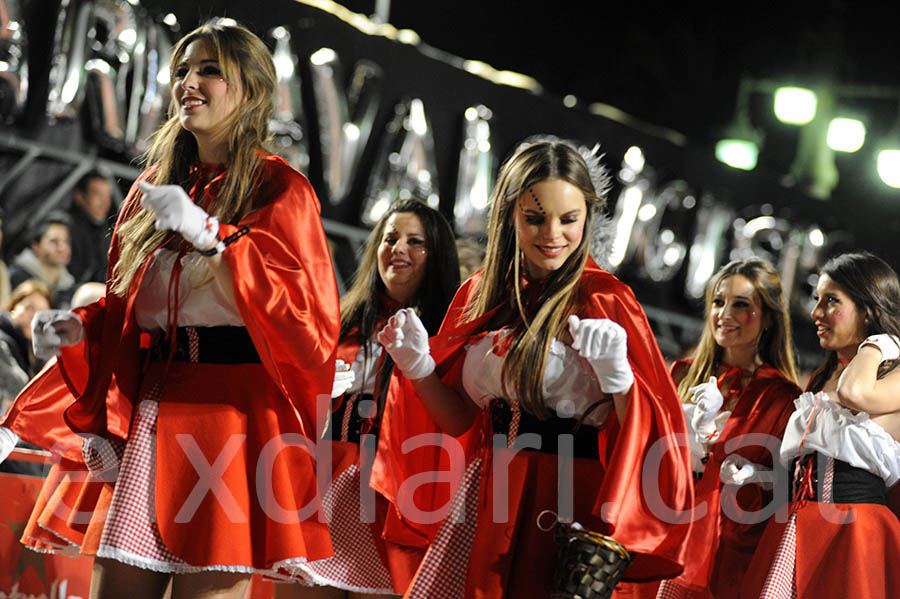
pixel 776 345
pixel 242 57
pixel 523 364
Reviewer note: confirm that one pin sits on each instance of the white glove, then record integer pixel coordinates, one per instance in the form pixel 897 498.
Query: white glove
pixel 709 401
pixel 175 211
pixel 737 470
pixel 605 346
pixel 888 344
pixel 406 340
pixel 343 378
pixel 8 440
pixel 52 329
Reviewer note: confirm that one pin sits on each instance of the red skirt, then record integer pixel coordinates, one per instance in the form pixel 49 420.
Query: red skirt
pixel 216 454
pixel 511 556
pixel 829 550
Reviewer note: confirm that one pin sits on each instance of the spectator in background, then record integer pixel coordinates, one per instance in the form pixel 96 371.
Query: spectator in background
pixel 89 229
pixel 471 256
pixel 47 258
pixel 17 362
pixel 5 286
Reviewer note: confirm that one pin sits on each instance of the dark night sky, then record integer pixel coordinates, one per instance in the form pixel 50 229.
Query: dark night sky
pixel 678 64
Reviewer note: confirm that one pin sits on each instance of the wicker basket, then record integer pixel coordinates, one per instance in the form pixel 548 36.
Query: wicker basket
pixel 589 564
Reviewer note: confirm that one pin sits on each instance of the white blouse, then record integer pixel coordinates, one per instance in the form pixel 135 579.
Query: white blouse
pixel 201 300
pixel 837 432
pixel 569 387
pixel 365 371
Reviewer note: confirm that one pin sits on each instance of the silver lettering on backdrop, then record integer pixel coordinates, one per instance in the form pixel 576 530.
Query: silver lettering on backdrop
pixel 665 219
pixel 405 165
pixel 709 245
pixel 154 105
pixel 345 118
pixel 70 50
pixel 13 60
pixel 288 127
pixel 475 176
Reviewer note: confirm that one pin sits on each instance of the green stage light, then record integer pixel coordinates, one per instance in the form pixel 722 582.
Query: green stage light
pixel 889 167
pixel 846 135
pixel 795 105
pixel 737 153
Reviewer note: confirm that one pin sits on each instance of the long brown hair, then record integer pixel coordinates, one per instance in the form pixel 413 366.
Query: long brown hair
pixel 776 345
pixel 242 57
pixel 532 333
pixel 874 288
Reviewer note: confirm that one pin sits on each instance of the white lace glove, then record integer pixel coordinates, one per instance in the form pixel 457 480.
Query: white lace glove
pixel 8 440
pixel 605 346
pixel 404 337
pixel 737 470
pixel 175 211
pixel 708 399
pixel 52 329
pixel 888 344
pixel 343 378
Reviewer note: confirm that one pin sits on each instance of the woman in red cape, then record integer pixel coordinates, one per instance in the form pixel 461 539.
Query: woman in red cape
pixel 839 537
pixel 409 261
pixel 542 349
pixel 742 381
pixel 195 380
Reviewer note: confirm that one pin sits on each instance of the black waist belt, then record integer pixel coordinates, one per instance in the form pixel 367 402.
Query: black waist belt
pixel 550 430
pixel 207 345
pixel 849 485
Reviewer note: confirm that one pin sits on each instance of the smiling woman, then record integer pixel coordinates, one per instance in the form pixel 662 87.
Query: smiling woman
pixel 215 338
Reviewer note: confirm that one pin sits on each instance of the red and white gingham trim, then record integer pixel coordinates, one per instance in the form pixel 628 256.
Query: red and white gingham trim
pixel 781 582
pixel 669 589
pixel 442 574
pixel 131 534
pixel 356 564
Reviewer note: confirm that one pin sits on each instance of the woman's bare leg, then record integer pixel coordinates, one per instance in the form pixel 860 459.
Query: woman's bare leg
pixel 111 579
pixel 210 585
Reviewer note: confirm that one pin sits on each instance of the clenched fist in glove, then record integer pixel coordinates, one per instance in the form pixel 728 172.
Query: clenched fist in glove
pixel 52 329
pixel 709 401
pixel 175 211
pixel 343 378
pixel 737 470
pixel 605 346
pixel 404 337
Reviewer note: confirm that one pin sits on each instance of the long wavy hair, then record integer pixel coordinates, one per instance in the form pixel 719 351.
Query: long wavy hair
pixel 361 305
pixel 242 57
pixel 534 328
pixel 775 346
pixel 874 288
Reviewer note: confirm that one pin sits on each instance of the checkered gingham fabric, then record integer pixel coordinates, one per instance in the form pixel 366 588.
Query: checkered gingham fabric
pixel 671 590
pixel 102 456
pixel 442 574
pixel 130 533
pixel 356 563
pixel 780 583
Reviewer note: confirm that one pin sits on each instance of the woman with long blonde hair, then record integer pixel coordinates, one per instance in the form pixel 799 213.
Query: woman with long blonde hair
pixel 741 381
pixel 195 379
pixel 540 347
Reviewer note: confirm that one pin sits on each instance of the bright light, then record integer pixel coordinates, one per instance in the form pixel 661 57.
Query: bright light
pixel 737 153
pixel 817 238
pixel 351 132
pixel 634 158
pixel 170 19
pixel 417 117
pixel 889 167
pixel 846 135
pixel 128 36
pixel 471 113
pixel 322 56
pixel 569 101
pixel 795 105
pixel 646 212
pixel 631 201
pixel 757 224
pixel 284 65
